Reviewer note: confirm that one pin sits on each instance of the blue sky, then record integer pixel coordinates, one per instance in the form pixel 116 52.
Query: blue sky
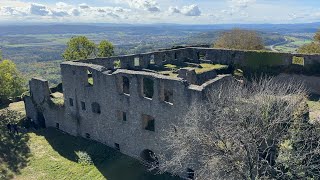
pixel 160 11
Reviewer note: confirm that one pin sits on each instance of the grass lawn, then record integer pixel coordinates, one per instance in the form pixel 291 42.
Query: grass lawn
pixel 52 154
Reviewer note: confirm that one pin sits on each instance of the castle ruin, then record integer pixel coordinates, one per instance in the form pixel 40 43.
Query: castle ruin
pixel 126 101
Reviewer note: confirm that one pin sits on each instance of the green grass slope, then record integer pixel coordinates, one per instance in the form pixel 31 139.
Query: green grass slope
pixel 51 154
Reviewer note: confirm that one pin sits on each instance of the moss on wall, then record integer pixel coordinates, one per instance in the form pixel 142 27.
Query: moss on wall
pixel 258 59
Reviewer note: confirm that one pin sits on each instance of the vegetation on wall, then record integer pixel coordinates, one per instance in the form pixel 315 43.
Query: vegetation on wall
pixel 257 131
pixel 255 59
pixel 240 39
pixel 80 47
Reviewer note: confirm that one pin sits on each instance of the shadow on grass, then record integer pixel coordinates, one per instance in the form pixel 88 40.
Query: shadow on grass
pixel 14 152
pixel 111 163
pixel 314 97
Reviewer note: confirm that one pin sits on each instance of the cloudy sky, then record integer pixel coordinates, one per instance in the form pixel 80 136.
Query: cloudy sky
pixel 160 11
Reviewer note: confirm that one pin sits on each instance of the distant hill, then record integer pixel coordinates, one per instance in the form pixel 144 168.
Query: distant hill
pixel 147 29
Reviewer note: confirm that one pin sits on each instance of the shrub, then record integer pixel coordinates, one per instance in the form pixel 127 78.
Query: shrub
pixel 84 158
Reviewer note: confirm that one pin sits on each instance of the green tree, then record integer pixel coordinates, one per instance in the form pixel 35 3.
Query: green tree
pixel 0 55
pixel 105 49
pixel 311 48
pixel 11 83
pixel 317 36
pixel 79 48
pixel 240 39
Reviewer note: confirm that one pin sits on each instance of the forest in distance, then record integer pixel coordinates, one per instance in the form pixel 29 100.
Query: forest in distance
pixel 37 49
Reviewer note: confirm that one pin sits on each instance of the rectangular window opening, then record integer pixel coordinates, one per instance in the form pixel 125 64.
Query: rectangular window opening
pixel 117 64
pixel 136 61
pixel 83 105
pixel 57 125
pixel 95 108
pixel 298 60
pixel 152 59
pixel 201 55
pixel 125 85
pixel 88 135
pixel 71 101
pixel 190 173
pixel 148 122
pixel 117 146
pixel 122 116
pixel 90 78
pixel 148 90
pixel 168 96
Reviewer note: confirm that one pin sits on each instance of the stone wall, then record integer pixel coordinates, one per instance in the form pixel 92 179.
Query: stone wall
pixel 171 99
pixel 216 56
pixel 106 113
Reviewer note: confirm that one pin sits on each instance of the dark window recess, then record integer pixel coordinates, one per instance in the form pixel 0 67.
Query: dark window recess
pixel 95 108
pixel 148 87
pixel 57 125
pixel 125 85
pixel 117 146
pixel 124 116
pixel 175 56
pixel 190 173
pixel 83 105
pixel 148 122
pixel 88 135
pixel 71 101
pixel 168 96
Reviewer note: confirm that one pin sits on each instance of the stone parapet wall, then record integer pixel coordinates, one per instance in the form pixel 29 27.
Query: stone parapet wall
pixel 216 56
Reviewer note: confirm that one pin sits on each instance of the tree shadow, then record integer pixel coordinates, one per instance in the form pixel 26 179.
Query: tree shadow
pixel 110 162
pixel 14 151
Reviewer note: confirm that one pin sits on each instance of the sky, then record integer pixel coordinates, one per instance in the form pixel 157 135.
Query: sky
pixel 160 11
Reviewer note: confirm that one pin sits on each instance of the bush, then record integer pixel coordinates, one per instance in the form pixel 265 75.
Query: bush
pixel 84 158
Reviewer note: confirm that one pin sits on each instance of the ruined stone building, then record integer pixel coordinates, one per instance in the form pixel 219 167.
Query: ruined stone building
pixel 126 101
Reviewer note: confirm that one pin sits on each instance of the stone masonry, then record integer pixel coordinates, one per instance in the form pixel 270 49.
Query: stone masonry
pixel 129 104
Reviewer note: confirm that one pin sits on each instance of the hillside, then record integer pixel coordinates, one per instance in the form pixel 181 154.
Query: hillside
pixel 51 154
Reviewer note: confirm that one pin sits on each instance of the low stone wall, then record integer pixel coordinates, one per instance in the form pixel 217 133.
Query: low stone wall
pixel 250 59
pixel 312 83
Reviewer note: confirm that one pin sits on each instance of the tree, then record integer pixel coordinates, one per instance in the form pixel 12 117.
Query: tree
pixel 1 55
pixel 11 83
pixel 254 131
pixel 311 48
pixel 240 39
pixel 105 49
pixel 79 48
pixel 317 36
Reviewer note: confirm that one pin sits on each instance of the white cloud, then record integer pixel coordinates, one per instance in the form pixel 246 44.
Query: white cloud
pixel 39 9
pixel 241 3
pixel 174 10
pixel 192 10
pixel 148 5
pixel 150 11
pixel 74 12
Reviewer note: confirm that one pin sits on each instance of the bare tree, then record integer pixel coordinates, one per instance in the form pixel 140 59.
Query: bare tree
pixel 252 131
